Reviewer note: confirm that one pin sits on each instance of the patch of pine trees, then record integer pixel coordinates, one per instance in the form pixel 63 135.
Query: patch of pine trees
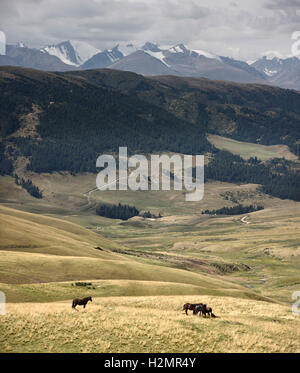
pixel 29 186
pixel 235 210
pixel 277 177
pixel 123 212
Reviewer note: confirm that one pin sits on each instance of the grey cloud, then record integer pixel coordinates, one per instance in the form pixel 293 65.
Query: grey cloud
pixel 240 29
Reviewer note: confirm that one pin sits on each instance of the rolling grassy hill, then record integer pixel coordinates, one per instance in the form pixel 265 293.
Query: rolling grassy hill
pixel 27 257
pixel 29 232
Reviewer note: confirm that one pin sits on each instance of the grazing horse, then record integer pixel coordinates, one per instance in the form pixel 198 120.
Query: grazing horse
pixel 80 302
pixel 200 309
pixel 204 310
pixel 190 306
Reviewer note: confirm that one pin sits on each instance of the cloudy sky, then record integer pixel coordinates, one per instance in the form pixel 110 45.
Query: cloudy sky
pixel 242 29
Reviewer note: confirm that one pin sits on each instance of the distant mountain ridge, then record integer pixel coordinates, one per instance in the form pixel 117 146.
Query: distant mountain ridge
pixel 283 72
pixel 151 59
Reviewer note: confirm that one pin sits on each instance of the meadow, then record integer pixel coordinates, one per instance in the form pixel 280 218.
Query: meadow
pixel 248 149
pixel 149 324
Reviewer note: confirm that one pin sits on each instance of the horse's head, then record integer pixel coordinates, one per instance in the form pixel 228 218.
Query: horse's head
pixel 90 298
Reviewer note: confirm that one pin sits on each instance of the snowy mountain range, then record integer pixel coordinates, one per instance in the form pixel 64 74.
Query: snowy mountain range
pixel 152 59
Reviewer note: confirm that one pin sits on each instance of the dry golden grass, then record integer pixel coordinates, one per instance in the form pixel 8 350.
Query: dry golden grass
pixel 24 231
pixel 149 324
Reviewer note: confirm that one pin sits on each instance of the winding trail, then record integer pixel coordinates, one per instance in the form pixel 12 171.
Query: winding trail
pixel 89 192
pixel 88 195
pixel 243 220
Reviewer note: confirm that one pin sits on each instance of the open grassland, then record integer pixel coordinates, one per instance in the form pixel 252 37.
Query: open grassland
pixel 247 149
pixel 149 324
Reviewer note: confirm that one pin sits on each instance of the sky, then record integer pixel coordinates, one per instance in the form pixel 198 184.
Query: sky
pixel 244 29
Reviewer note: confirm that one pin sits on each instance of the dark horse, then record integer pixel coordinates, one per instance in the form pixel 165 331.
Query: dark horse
pixel 204 310
pixel 80 302
pixel 191 307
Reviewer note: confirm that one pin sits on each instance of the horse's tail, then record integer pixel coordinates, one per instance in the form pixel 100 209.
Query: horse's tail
pixel 213 315
pixel 74 303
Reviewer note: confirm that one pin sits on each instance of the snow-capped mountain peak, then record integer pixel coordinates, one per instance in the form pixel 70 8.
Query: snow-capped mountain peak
pixel 126 48
pixel 83 50
pixel 114 54
pixel 148 46
pixel 72 52
pixel 181 48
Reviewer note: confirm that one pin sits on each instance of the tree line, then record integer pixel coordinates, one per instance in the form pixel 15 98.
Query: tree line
pixel 235 210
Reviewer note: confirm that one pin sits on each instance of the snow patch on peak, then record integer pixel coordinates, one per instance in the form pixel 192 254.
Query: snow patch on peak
pixel 179 48
pixel 84 51
pixel 158 55
pixel 270 72
pixel 20 44
pixel 206 54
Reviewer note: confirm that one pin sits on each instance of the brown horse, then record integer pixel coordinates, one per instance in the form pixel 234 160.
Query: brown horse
pixel 191 307
pixel 80 302
pixel 204 310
